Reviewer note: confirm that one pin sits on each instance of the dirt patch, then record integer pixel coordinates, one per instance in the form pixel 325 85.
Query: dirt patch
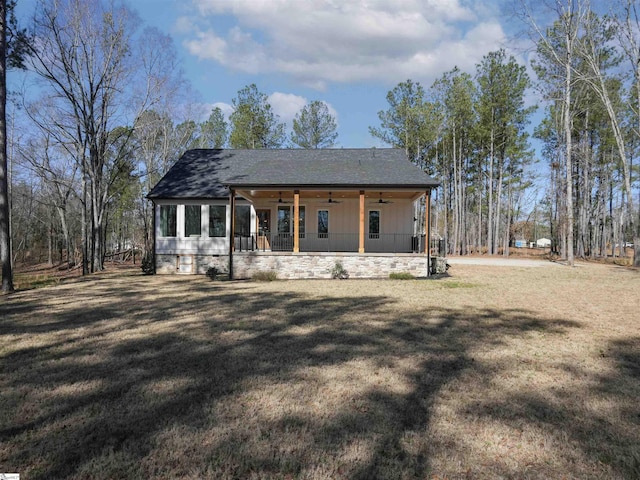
pixel 485 373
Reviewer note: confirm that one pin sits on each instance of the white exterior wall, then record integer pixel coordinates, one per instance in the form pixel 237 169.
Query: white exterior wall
pixel 181 254
pixel 344 217
pixel 202 245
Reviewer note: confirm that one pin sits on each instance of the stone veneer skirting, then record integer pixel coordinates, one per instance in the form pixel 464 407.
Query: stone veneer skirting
pixel 299 265
pixel 302 265
pixel 190 263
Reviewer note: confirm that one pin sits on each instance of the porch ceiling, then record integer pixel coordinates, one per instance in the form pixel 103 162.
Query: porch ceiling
pixel 336 194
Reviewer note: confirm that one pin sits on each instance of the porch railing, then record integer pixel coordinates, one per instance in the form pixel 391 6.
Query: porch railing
pixel 336 242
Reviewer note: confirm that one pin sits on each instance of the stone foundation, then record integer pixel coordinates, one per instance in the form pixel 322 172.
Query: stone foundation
pixel 300 265
pixel 190 263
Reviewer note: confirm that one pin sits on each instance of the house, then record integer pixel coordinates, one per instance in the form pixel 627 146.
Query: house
pixel 543 243
pixel 294 211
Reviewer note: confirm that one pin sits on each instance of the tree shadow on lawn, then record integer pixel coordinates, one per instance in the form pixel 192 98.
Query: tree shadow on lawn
pixel 223 381
pixel 599 420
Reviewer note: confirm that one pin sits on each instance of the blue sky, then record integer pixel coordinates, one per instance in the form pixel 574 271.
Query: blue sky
pixel 346 53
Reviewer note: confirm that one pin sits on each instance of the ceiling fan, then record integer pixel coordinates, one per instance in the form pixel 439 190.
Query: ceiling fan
pixel 280 201
pixel 381 201
pixel 331 200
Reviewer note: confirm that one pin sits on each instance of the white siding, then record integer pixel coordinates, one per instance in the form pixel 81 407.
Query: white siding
pixel 202 245
pixel 396 227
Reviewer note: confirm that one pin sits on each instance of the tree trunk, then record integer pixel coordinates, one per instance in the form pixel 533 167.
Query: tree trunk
pixel 636 243
pixel 62 214
pixel 456 198
pixel 50 243
pixel 507 232
pixel 490 213
pixel 84 220
pixel 5 231
pixel 496 230
pixel 568 146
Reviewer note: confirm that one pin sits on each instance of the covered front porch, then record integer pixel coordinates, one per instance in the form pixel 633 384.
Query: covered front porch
pixel 308 230
pixel 336 220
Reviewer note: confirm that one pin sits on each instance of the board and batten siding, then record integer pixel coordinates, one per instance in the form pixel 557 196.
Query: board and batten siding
pixel 395 218
pixel 195 254
pixel 344 217
pixel 201 245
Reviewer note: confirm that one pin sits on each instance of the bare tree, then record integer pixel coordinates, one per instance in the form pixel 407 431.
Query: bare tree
pixel 13 45
pixel 598 55
pixel 5 234
pixel 98 76
pixel 58 173
pixel 627 18
pixel 559 45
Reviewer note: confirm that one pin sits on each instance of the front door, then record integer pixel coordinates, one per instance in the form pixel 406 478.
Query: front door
pixel 263 217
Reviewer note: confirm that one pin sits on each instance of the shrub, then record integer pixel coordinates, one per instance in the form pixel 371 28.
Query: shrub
pixel 212 272
pixel 147 264
pixel 264 276
pixel 401 276
pixel 339 272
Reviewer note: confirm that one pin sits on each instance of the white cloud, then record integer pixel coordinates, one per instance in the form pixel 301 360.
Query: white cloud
pixel 225 107
pixel 320 41
pixel 286 105
pixel 203 110
pixel 183 25
pixel 208 45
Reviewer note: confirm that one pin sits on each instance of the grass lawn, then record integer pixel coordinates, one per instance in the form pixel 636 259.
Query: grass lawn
pixel 494 372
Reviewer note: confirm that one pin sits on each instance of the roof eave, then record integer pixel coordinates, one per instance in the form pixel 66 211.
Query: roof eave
pixel 349 186
pixel 185 197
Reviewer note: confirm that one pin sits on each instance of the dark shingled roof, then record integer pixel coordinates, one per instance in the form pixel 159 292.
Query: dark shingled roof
pixel 205 174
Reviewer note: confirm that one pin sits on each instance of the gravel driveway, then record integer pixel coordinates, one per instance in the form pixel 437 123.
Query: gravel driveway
pixel 501 262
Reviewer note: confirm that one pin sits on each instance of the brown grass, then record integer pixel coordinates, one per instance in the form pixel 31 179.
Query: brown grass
pixel 490 373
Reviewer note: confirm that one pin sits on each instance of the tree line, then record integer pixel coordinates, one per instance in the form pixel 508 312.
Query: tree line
pixel 470 130
pixel 112 112
pixel 470 133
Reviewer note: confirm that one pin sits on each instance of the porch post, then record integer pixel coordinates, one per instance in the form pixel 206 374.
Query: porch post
pixel 296 221
pixel 427 226
pixel 153 248
pixel 232 204
pixel 361 229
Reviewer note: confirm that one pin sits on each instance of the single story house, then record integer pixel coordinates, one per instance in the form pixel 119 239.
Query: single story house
pixel 543 243
pixel 293 211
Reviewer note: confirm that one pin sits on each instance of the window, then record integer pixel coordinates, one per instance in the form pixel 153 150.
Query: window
pixel 243 220
pixel 323 223
pixel 301 222
pixel 168 215
pixel 284 220
pixel 217 220
pixel 192 222
pixel 374 223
